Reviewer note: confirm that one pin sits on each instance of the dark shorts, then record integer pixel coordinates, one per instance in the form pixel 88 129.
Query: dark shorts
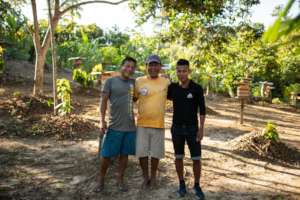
pixel 117 143
pixel 180 134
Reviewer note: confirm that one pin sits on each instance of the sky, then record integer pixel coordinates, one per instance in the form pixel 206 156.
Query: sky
pixel 108 16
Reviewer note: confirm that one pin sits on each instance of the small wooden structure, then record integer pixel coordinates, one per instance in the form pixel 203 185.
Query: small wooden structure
pixel 77 61
pixel 295 99
pixel 243 93
pixel 265 91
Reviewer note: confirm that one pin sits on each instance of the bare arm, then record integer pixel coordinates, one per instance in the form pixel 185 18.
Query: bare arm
pixel 103 108
pixel 201 128
pixel 202 114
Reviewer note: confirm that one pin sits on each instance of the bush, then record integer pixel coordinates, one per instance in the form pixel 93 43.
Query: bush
pixel 276 101
pixel 110 55
pixel 255 90
pixel 82 77
pixel 97 69
pixel 64 95
pixel 270 132
pixel 14 33
pixel 289 89
pixel 17 94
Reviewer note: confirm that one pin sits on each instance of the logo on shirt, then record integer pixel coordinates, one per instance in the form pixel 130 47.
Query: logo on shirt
pixel 143 91
pixel 189 96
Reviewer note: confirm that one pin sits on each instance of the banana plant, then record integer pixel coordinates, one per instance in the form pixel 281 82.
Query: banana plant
pixel 282 26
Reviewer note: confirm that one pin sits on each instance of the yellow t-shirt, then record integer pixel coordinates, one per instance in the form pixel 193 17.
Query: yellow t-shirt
pixel 152 95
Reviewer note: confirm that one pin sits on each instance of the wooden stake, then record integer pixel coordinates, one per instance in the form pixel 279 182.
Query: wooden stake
pixel 52 39
pixel 242 110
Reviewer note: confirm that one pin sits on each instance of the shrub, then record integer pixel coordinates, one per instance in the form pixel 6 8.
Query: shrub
pixel 50 103
pixel 64 95
pixel 270 132
pixel 276 101
pixel 82 77
pixel 255 90
pixel 17 94
pixel 289 89
pixel 97 69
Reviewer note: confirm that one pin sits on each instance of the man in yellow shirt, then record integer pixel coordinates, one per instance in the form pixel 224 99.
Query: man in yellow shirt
pixel 151 92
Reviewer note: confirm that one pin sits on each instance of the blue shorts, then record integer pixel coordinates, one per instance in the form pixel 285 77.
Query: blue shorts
pixel 117 143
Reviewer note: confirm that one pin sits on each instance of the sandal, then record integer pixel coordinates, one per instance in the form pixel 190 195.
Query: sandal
pixel 99 188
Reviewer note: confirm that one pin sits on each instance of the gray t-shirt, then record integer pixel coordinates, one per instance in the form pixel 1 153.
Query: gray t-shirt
pixel 120 92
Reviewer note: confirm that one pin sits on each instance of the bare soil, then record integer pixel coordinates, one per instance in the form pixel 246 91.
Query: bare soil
pixel 47 167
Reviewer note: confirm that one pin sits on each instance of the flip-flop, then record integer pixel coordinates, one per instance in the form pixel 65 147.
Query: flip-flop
pixel 122 187
pixel 99 188
pixel 145 185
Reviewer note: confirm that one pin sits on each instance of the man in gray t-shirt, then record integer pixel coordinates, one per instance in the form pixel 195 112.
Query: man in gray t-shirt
pixel 120 134
pixel 121 103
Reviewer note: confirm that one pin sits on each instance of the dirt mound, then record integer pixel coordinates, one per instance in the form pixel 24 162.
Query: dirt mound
pixel 61 128
pixel 23 106
pixel 68 127
pixel 255 145
pixel 26 116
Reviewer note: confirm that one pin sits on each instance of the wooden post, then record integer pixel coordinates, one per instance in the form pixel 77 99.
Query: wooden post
pixel 242 110
pixel 52 39
pixel 243 93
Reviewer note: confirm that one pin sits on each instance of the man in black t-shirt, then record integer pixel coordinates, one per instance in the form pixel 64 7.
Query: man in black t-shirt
pixel 188 101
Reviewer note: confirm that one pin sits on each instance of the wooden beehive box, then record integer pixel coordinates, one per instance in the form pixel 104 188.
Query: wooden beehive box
pixel 243 90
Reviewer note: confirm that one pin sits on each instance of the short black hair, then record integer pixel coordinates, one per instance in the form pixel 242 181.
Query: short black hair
pixel 128 59
pixel 183 62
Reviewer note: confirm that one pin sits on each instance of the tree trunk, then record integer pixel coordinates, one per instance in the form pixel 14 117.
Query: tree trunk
pixel 54 71
pixel 39 73
pixel 40 62
pixel 41 49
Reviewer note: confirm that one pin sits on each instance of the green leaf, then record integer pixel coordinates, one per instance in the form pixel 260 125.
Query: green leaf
pixel 84 37
pixel 274 32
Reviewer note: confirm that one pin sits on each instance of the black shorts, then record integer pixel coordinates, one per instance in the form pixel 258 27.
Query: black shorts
pixel 182 133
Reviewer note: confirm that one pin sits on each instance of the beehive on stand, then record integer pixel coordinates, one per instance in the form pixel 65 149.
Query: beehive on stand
pixel 243 93
pixel 243 90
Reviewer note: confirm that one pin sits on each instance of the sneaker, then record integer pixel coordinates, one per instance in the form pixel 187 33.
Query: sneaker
pixel 198 192
pixel 182 190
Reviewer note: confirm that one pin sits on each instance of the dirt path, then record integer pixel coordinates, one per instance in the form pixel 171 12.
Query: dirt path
pixel 43 168
pixel 48 169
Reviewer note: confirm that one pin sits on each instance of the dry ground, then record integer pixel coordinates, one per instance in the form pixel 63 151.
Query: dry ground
pixel 44 168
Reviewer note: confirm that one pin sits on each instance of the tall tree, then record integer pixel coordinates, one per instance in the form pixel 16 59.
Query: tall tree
pixel 59 9
pixel 183 20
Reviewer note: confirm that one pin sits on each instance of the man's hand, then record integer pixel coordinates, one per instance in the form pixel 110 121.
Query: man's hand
pixel 200 134
pixel 103 128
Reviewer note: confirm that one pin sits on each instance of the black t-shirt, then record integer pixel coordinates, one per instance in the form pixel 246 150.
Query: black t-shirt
pixel 186 103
